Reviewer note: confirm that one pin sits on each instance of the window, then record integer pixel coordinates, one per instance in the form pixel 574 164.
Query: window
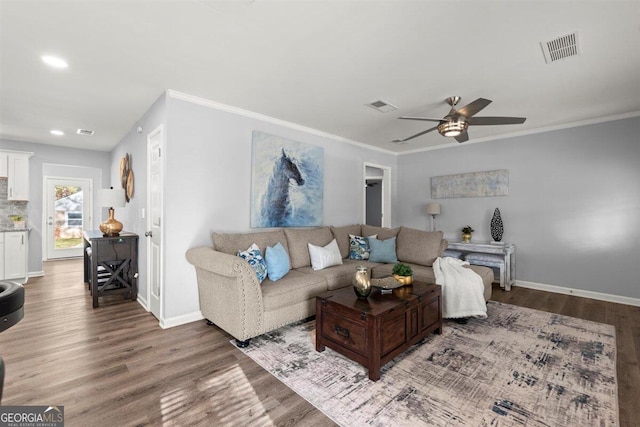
pixel 74 219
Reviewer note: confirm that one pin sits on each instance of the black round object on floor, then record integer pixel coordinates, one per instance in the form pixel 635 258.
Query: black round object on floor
pixel 11 304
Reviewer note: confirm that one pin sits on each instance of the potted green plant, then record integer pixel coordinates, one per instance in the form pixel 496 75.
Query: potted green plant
pixel 402 273
pixel 18 221
pixel 466 233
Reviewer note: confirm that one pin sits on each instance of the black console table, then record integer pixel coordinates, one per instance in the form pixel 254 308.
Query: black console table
pixel 111 264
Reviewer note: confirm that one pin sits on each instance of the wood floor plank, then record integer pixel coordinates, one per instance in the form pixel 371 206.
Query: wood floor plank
pixel 116 365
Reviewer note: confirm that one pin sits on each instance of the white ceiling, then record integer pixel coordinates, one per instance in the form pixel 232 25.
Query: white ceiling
pixel 314 63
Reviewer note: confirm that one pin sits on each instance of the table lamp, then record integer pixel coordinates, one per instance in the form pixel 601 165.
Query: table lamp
pixel 111 198
pixel 433 209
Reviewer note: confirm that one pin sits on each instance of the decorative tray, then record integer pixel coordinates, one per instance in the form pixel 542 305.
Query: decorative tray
pixel 386 283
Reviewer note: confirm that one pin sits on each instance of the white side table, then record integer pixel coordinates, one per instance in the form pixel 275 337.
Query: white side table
pixel 507 250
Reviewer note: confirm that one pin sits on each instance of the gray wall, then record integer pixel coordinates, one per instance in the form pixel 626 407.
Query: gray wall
pixel 64 162
pixel 135 144
pixel 207 181
pixel 572 209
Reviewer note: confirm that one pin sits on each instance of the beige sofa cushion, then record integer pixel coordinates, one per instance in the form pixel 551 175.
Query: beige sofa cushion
pixel 417 246
pixel 443 247
pixel 421 273
pixel 231 243
pixel 383 233
pixel 297 239
pixel 293 288
pixel 341 234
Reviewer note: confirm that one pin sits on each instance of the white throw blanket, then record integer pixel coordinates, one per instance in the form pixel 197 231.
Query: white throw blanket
pixel 462 289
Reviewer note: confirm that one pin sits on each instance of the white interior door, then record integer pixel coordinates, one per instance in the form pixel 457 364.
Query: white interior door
pixel 68 206
pixel 154 222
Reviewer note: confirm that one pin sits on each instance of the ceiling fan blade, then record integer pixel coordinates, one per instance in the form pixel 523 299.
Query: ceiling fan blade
pixel 415 136
pixel 463 137
pixel 474 107
pixel 496 120
pixel 424 119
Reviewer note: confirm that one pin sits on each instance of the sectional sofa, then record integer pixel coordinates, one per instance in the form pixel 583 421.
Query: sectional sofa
pixel 233 298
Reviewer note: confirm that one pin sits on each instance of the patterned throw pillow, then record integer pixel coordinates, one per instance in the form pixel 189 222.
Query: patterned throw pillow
pixel 359 247
pixel 254 257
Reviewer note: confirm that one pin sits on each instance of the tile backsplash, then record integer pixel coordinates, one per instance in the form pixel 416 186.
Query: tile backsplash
pixel 10 207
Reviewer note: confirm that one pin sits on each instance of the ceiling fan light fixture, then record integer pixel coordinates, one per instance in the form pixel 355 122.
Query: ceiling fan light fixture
pixel 452 128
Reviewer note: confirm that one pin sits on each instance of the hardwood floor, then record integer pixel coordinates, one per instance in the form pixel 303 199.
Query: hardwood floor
pixel 115 366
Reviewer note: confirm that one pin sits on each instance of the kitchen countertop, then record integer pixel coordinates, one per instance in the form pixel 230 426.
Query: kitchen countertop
pixel 6 228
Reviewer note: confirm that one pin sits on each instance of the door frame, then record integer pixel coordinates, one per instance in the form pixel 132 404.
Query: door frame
pixel 386 192
pixel 87 206
pixel 157 132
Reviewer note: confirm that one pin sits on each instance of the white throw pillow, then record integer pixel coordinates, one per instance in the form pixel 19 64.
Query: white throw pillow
pixel 325 257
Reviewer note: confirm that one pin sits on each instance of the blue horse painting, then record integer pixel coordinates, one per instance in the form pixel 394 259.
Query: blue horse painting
pixel 276 205
pixel 287 183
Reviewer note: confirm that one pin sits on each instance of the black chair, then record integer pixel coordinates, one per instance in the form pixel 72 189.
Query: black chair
pixel 11 304
pixel 1 378
pixel 11 312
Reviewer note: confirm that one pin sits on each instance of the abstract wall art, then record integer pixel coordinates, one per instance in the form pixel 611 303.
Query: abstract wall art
pixel 476 184
pixel 287 182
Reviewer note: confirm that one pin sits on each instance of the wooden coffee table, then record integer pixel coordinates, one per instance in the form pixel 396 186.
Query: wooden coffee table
pixel 374 331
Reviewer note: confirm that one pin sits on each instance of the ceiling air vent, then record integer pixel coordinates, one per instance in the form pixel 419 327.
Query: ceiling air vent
pixel 560 48
pixel 85 132
pixel 382 106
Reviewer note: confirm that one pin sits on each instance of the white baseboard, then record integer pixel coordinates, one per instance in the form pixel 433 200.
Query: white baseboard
pixel 143 303
pixel 580 293
pixel 174 321
pixel 181 320
pixel 36 274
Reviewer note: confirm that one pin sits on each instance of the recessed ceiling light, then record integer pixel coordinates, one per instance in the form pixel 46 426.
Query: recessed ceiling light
pixel 57 132
pixel 54 61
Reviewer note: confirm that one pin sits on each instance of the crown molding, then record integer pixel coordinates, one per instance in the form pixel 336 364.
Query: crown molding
pixel 262 117
pixel 257 116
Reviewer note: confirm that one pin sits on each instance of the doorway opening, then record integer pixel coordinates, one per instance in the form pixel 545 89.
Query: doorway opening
pixel 68 213
pixel 377 195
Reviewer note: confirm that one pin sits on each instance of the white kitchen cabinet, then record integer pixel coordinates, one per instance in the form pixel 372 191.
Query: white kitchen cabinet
pixel 16 255
pixel 18 171
pixel 4 164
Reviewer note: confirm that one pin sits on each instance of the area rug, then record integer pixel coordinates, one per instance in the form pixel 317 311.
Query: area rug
pixel 518 367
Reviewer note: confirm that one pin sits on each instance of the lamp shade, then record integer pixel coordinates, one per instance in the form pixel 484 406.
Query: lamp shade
pixel 433 208
pixel 111 198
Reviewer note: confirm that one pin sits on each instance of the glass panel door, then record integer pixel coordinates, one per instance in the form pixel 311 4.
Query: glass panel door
pixel 68 214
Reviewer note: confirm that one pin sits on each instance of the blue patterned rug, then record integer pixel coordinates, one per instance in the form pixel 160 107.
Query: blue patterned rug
pixel 517 367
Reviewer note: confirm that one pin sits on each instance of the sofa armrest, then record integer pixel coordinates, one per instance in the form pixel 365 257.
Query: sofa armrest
pixel 229 291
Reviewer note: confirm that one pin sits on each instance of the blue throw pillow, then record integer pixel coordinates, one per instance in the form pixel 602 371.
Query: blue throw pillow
pixel 254 257
pixel 382 250
pixel 278 264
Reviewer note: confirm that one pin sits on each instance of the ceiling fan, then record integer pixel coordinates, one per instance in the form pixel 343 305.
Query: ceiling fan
pixel 456 122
